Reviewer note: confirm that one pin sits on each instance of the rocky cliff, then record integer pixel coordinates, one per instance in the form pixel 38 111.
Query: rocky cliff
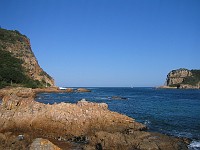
pixel 183 78
pixel 19 46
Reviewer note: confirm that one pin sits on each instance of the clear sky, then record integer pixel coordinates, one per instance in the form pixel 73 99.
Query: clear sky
pixel 108 42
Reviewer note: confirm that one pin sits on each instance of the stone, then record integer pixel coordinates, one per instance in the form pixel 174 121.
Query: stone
pixel 20 137
pixel 43 144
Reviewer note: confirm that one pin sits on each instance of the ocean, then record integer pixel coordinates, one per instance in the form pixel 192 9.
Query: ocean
pixel 169 111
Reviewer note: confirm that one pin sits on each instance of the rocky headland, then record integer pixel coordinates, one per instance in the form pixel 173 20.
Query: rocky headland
pixel 84 125
pixel 183 79
pixel 18 60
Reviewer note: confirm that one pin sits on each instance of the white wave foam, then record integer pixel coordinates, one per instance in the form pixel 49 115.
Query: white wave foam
pixel 194 145
pixel 147 122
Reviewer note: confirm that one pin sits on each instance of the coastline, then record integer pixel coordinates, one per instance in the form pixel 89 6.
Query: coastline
pixel 84 122
pixel 166 87
pixel 58 90
pixel 187 87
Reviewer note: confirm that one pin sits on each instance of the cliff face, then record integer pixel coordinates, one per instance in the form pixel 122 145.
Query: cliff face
pixel 183 78
pixel 19 46
pixel 177 76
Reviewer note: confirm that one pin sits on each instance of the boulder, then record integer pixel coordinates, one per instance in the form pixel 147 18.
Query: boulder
pixel 43 144
pixel 69 90
pixel 83 90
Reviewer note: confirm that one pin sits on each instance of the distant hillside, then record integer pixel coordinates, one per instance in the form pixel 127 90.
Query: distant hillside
pixel 18 65
pixel 183 78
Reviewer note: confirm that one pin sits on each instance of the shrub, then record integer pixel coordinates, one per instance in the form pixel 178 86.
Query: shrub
pixel 11 70
pixel 10 36
pixel 194 79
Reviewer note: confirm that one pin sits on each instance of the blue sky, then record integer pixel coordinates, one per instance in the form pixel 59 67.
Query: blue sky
pixel 108 42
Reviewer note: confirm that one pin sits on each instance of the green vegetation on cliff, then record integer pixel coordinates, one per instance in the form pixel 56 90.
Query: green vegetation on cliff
pixel 10 36
pixel 12 73
pixel 10 69
pixel 194 79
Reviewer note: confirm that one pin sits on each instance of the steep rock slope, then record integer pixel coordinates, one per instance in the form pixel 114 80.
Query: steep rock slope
pixel 19 47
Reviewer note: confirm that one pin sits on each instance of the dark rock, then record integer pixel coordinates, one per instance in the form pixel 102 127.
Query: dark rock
pixel 99 146
pixel 118 98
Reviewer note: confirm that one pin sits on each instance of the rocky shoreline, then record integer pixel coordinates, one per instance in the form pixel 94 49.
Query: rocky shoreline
pixel 57 90
pixel 180 87
pixel 27 124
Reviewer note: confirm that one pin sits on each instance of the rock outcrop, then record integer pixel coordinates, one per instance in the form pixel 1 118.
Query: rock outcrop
pixel 184 78
pixel 90 125
pixel 177 76
pixel 19 46
pixel 83 90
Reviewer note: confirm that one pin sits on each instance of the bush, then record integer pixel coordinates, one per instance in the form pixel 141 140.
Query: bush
pixel 194 79
pixel 33 84
pixel 10 36
pixel 11 71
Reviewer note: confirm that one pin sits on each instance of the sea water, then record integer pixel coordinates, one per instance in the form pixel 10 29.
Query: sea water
pixel 168 111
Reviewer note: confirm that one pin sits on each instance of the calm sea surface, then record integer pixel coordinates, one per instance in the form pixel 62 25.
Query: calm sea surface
pixel 168 111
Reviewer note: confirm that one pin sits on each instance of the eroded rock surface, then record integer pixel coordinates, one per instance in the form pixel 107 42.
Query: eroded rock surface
pixel 177 76
pixel 90 124
pixel 183 79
